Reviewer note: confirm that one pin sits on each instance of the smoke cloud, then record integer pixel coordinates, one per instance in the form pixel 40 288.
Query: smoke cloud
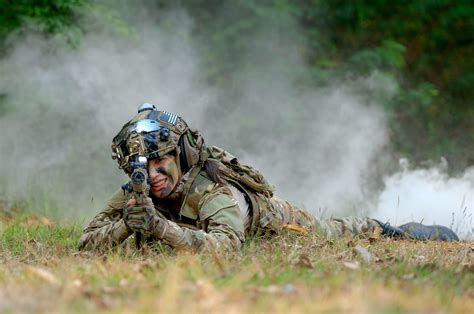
pixel 64 106
pixel 429 196
pixel 317 146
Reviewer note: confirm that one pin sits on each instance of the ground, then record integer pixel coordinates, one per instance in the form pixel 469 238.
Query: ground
pixel 41 271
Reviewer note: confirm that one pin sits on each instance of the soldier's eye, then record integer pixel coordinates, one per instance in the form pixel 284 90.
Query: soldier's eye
pixel 161 170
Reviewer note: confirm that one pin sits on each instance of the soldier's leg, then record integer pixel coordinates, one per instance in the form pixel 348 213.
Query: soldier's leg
pixel 277 215
pixel 284 215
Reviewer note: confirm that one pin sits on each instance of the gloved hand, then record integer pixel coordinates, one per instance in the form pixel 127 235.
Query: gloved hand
pixel 417 231
pixel 139 218
pixel 144 219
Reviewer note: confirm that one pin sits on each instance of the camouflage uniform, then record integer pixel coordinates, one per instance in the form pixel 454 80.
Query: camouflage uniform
pixel 202 214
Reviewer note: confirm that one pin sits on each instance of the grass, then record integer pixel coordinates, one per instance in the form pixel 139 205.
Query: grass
pixel 41 271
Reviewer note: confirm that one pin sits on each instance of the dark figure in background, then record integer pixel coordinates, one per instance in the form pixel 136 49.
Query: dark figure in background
pixel 204 198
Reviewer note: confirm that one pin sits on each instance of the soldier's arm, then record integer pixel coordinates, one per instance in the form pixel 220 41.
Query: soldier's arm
pixel 107 228
pixel 222 228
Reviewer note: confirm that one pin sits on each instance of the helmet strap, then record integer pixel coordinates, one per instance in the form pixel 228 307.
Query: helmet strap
pixel 181 150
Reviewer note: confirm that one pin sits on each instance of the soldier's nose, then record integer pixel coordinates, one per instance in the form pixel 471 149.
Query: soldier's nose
pixel 152 174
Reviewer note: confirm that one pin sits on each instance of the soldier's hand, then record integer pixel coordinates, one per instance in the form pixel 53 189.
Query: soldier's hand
pixel 139 217
pixel 144 219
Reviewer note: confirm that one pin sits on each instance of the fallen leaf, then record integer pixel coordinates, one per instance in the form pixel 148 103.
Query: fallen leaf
pixel 352 265
pixel 272 289
pixel 409 276
pixel 469 268
pixel 376 233
pixel 45 221
pixel 295 228
pixel 77 283
pixel 44 275
pixel 123 283
pixel 363 253
pixel 37 221
pixel 304 261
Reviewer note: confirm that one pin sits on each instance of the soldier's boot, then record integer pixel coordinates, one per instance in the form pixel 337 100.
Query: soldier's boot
pixel 417 231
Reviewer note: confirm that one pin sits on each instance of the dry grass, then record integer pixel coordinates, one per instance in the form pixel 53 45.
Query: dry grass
pixel 40 271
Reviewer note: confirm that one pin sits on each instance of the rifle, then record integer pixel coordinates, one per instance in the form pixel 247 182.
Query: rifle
pixel 138 187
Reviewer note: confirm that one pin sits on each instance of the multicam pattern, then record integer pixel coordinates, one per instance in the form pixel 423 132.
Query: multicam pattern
pixel 279 215
pixel 213 220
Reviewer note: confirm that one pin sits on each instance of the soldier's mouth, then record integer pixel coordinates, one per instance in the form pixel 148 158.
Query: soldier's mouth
pixel 159 185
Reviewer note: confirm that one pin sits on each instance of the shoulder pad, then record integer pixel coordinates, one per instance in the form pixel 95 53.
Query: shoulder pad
pixel 194 195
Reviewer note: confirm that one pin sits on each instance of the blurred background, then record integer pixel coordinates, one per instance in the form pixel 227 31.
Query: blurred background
pixel 348 107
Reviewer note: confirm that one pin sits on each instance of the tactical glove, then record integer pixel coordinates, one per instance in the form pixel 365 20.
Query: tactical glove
pixel 145 220
pixel 418 231
pixel 139 218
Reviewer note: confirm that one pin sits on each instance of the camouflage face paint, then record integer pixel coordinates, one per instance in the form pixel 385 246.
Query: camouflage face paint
pixel 164 175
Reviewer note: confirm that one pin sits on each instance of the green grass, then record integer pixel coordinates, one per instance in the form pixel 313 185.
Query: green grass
pixel 41 271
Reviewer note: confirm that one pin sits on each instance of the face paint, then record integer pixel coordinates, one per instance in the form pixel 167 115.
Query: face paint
pixel 164 175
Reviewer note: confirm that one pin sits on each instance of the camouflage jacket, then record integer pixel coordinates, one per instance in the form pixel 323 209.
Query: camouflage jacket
pixel 203 214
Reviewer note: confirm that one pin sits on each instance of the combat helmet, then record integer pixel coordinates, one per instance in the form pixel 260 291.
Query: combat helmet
pixel 153 133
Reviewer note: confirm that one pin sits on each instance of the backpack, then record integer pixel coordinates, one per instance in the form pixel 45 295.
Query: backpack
pixel 231 169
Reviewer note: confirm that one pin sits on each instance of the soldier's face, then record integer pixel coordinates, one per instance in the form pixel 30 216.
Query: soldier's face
pixel 164 175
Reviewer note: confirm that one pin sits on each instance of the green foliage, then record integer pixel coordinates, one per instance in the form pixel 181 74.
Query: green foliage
pixel 49 17
pixel 429 46
pixel 390 55
pixel 32 234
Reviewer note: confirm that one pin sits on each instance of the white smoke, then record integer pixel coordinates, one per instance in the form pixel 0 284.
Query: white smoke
pixel 429 196
pixel 68 104
pixel 316 145
pixel 64 106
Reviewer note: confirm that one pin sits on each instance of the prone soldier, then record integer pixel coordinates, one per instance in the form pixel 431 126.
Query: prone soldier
pixel 204 198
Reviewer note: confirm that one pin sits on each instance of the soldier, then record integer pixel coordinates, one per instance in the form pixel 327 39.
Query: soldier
pixel 203 198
